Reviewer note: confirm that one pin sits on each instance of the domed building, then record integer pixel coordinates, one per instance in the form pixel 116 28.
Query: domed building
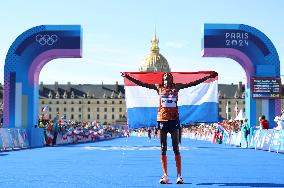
pixel 155 62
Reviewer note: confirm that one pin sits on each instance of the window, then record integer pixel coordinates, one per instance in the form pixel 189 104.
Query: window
pixel 120 116
pixel 42 102
pixel 98 109
pixel 105 102
pixel 120 109
pixel 57 102
pixel 80 102
pixel 112 116
pixel 98 102
pixel 72 116
pixel 220 109
pixel 112 102
pixel 89 102
pixel 105 109
pixel 120 102
pixel 112 109
pixel 89 116
pixel 49 116
pixel 244 110
pixel 50 102
pixel 220 102
pixel 72 109
pixel 64 109
pixel 229 109
pixel 57 109
pixel 65 102
pixel 72 102
pixel 79 116
pixel 229 102
pixel 98 116
pixel 79 109
pixel 50 109
pixel 244 102
pixel 89 109
pixel 105 116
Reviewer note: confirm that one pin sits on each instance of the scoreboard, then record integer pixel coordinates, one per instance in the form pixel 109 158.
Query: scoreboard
pixel 266 88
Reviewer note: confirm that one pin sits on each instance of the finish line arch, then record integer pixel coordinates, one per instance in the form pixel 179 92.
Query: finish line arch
pixel 254 51
pixel 24 61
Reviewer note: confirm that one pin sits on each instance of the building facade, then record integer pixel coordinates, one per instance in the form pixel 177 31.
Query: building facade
pixel 84 102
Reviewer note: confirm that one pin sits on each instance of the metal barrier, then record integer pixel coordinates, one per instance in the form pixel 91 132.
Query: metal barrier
pixel 11 139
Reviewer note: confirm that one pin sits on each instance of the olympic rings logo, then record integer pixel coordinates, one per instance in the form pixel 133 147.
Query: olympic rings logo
pixel 46 39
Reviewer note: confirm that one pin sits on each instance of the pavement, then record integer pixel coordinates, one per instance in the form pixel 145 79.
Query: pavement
pixel 135 162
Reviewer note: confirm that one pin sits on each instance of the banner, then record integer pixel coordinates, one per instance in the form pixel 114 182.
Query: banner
pixel 195 104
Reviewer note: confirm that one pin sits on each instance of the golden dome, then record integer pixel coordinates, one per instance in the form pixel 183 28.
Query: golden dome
pixel 155 62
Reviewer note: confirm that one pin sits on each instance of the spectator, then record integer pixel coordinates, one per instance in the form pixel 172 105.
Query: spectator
pixel 245 131
pixel 264 124
pixel 55 130
pixel 219 137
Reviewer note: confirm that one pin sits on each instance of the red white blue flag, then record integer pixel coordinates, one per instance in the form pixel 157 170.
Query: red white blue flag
pixel 195 104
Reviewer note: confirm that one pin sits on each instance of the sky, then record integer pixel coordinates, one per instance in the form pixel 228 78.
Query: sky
pixel 117 34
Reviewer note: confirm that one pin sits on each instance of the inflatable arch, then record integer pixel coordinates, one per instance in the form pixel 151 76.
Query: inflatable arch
pixel 258 57
pixel 24 61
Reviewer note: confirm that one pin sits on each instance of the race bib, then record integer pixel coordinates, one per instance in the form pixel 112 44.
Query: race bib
pixel 168 101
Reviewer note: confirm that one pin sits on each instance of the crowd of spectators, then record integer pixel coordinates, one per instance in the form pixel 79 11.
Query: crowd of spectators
pixel 78 131
pixel 212 132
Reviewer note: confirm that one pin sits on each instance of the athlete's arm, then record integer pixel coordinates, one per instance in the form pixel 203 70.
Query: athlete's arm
pixel 138 82
pixel 180 86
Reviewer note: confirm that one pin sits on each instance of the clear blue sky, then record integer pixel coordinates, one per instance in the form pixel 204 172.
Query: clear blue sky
pixel 117 33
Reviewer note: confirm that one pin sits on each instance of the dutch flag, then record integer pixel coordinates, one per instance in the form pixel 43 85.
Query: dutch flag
pixel 195 104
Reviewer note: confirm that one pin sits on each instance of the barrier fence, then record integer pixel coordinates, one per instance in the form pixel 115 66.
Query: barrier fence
pixel 262 139
pixel 13 139
pixel 73 137
pixel 270 140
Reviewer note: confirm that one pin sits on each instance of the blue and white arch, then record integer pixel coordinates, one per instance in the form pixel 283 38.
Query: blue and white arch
pixel 257 55
pixel 24 61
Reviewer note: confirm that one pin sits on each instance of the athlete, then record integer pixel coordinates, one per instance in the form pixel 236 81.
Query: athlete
pixel 149 133
pixel 168 117
pixel 155 133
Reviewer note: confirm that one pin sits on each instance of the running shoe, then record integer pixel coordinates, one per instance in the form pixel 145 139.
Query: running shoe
pixel 164 180
pixel 179 180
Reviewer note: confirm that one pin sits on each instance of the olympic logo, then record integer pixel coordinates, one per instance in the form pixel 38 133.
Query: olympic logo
pixel 46 39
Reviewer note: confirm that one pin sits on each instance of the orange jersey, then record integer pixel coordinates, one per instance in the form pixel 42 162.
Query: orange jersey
pixel 168 109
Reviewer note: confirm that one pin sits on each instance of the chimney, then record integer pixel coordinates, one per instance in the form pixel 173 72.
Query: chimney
pixel 56 86
pixel 240 87
pixel 41 87
pixel 116 86
pixel 68 87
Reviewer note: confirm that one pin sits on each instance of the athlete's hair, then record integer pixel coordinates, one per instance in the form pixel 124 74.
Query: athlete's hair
pixel 169 74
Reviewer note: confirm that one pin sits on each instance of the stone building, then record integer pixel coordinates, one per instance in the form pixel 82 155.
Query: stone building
pixel 84 102
pixel 154 61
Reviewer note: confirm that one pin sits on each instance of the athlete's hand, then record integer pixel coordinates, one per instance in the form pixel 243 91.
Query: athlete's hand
pixel 213 75
pixel 123 74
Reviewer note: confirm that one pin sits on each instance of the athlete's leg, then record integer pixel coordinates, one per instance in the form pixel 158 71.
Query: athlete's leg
pixel 175 142
pixel 163 140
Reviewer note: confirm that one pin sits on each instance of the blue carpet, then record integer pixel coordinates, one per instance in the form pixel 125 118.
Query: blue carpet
pixel 135 162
